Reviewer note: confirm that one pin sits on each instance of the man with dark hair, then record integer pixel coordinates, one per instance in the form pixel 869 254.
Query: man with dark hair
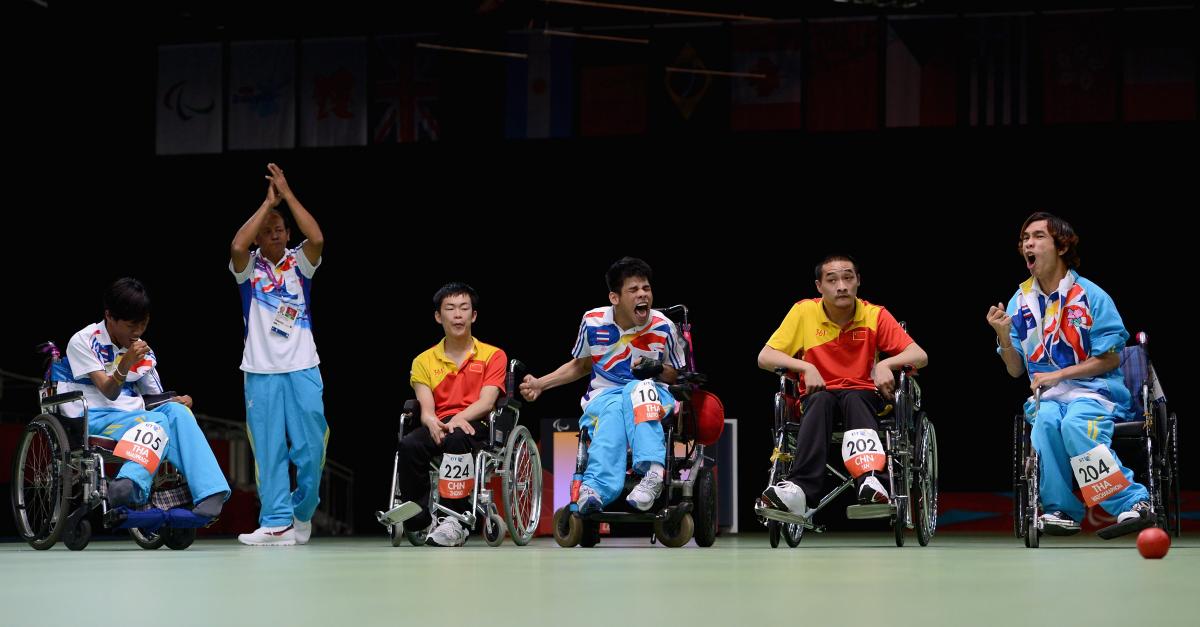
pixel 114 368
pixel 832 343
pixel 457 382
pixel 619 410
pixel 1066 333
pixel 285 415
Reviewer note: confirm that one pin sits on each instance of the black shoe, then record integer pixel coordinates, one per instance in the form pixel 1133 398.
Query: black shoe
pixel 1059 524
pixel 1137 518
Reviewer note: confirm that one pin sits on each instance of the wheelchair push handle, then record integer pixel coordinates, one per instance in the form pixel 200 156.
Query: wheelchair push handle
pixel 408 414
pixel 512 383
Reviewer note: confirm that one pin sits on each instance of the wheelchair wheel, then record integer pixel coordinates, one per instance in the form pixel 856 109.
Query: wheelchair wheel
pixel 792 534
pixel 898 525
pixel 77 539
pixel 675 534
pixel 1032 533
pixel 147 540
pixel 493 527
pixel 1173 496
pixel 591 534
pixel 705 501
pixel 568 528
pixel 1018 482
pixel 773 532
pixel 927 483
pixel 522 486
pixel 396 534
pixel 40 478
pixel 179 539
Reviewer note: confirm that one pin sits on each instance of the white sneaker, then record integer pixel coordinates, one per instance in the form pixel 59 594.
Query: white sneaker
pixel 645 493
pixel 786 496
pixel 872 491
pixel 449 532
pixel 303 530
pixel 269 536
pixel 589 500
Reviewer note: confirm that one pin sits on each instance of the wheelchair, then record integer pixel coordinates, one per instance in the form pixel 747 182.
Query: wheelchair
pixel 687 507
pixel 509 453
pixel 59 477
pixel 1152 439
pixel 910 445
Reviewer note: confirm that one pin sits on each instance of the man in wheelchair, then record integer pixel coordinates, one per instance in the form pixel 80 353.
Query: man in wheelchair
pixel 116 371
pixel 457 382
pixel 831 343
pixel 632 353
pixel 1066 333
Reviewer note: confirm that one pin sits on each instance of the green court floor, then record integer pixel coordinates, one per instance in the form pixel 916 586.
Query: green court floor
pixel 835 579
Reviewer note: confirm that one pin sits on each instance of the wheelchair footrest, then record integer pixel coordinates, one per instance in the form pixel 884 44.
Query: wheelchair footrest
pixel 1125 528
pixel 153 519
pixel 871 511
pixel 398 514
pixel 782 516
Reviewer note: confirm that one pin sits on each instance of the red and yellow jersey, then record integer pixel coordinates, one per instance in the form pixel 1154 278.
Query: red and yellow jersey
pixel 455 388
pixel 843 356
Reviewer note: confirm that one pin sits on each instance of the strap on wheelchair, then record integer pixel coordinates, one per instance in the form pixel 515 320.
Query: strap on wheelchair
pixel 153 519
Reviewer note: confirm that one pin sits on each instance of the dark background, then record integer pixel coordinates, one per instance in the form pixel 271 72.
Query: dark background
pixel 731 223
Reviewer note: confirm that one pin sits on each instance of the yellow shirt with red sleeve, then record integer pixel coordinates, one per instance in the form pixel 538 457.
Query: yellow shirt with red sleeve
pixel 845 356
pixel 456 386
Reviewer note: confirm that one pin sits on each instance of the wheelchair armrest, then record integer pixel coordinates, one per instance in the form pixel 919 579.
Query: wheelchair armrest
pixel 505 403
pixel 697 378
pixel 59 399
pixel 681 392
pixel 156 400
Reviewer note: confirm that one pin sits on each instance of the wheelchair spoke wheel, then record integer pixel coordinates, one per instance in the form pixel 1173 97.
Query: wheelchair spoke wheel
pixel 522 486
pixel 40 493
pixel 705 500
pixel 147 540
pixel 568 528
pixel 1174 497
pixel 1018 476
pixel 1032 498
pixel 675 534
pixel 927 484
